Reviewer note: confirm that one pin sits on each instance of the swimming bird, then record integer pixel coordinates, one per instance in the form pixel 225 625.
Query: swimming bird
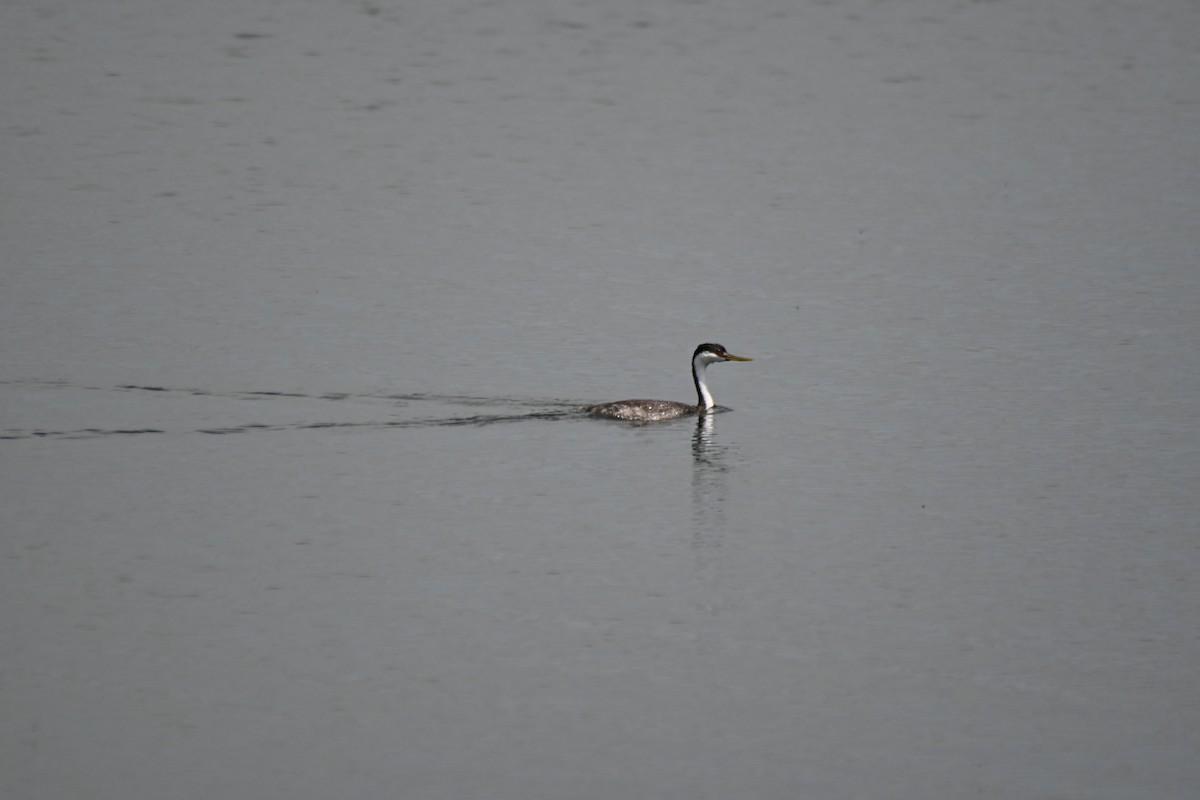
pixel 657 410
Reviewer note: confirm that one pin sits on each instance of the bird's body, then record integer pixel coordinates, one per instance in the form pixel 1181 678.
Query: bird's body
pixel 643 410
pixel 659 410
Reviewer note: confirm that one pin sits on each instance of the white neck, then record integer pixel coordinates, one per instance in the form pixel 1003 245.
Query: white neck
pixel 699 363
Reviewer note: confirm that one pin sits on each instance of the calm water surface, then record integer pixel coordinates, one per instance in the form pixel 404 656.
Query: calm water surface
pixel 297 312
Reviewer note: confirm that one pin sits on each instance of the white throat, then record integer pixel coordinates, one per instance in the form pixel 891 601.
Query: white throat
pixel 699 364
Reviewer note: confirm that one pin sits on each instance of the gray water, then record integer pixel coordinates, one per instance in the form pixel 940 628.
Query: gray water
pixel 300 301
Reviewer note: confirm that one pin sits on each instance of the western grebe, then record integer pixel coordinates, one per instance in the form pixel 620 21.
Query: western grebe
pixel 655 410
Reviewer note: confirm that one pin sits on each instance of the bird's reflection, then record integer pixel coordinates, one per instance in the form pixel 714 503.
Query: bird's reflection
pixel 710 468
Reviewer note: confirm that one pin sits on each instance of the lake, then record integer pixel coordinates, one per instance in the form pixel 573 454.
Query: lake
pixel 301 304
